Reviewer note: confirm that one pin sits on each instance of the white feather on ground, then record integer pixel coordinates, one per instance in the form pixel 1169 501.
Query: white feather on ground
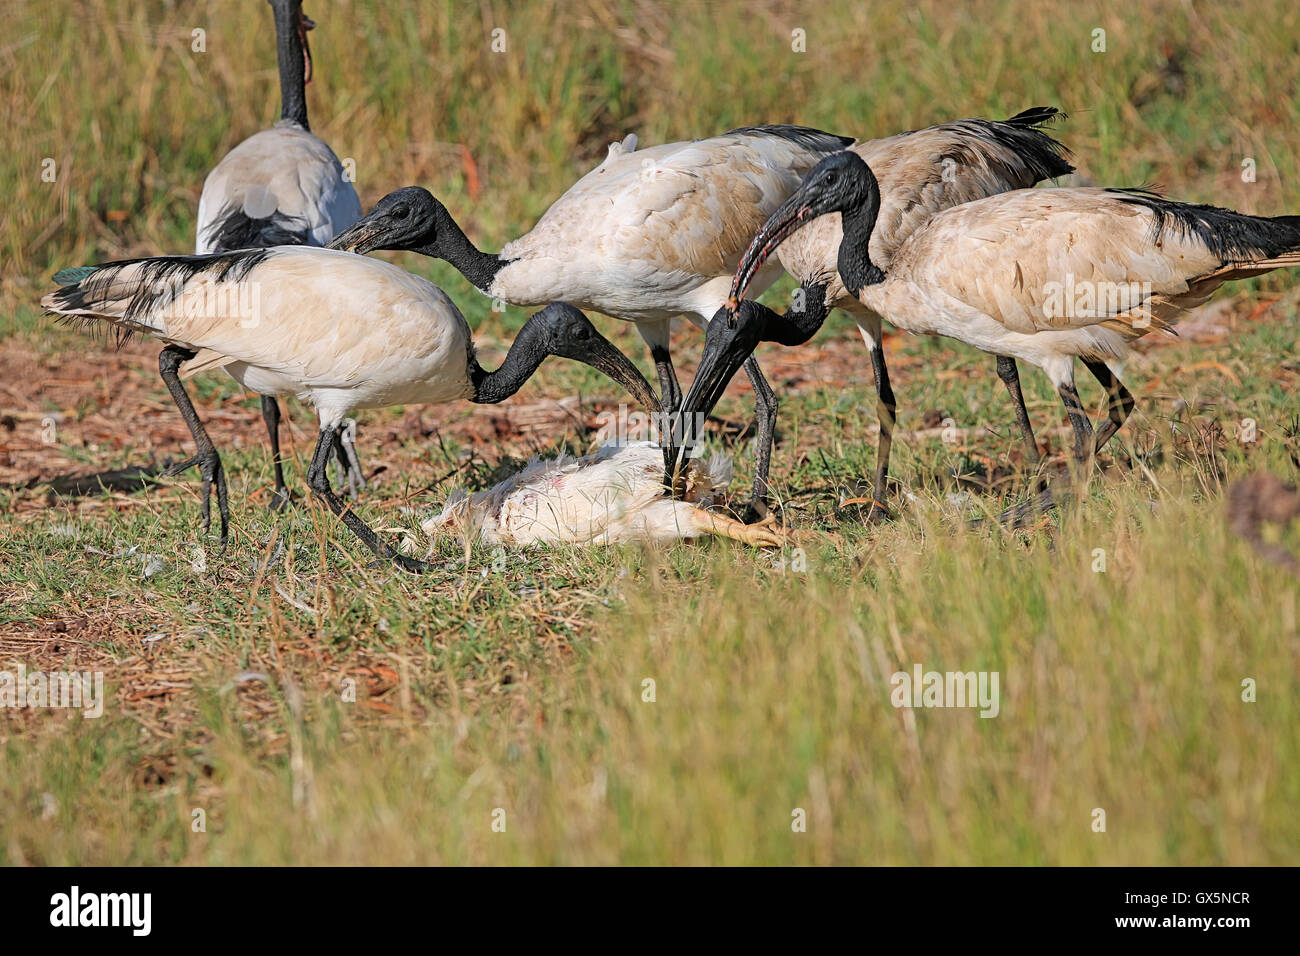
pixel 615 496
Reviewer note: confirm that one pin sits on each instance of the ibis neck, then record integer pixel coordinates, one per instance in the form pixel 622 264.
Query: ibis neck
pixel 801 321
pixel 525 356
pixel 293 78
pixel 854 260
pixel 454 246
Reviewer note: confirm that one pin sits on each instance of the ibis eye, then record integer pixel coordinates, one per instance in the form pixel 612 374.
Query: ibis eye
pixel 831 177
pixel 579 333
pixel 401 212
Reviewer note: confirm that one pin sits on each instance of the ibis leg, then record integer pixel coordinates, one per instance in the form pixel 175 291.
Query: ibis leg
pixel 887 413
pixel 670 390
pixel 765 408
pixel 657 334
pixel 352 464
pixel 1120 404
pixel 1010 376
pixel 1079 420
pixel 206 457
pixel 347 467
pixel 281 498
pixel 318 479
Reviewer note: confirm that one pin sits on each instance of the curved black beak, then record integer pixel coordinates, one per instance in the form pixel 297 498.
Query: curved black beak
pixel 601 354
pixel 728 343
pixel 789 217
pixel 362 237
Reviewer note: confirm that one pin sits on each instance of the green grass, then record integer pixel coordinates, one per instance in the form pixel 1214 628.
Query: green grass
pixel 1119 690
pixel 518 685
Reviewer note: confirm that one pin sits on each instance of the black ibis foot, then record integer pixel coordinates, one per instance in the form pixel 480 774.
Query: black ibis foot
pixel 213 474
pixel 413 565
pixel 386 556
pixel 1027 512
pixel 1055 492
pixel 345 458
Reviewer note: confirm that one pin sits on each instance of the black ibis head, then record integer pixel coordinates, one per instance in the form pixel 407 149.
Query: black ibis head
pixel 407 219
pixel 839 182
pixel 729 341
pixel 568 333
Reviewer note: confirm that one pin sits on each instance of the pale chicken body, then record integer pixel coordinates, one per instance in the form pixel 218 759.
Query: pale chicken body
pixel 615 496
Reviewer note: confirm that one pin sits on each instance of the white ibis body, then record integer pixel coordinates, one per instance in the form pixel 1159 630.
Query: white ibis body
pixel 281 186
pixel 340 331
pixel 920 173
pixel 1045 276
pixel 645 236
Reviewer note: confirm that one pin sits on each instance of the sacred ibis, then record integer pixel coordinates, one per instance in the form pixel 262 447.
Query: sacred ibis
pixel 1041 275
pixel 920 173
pixel 340 331
pixel 645 236
pixel 281 186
